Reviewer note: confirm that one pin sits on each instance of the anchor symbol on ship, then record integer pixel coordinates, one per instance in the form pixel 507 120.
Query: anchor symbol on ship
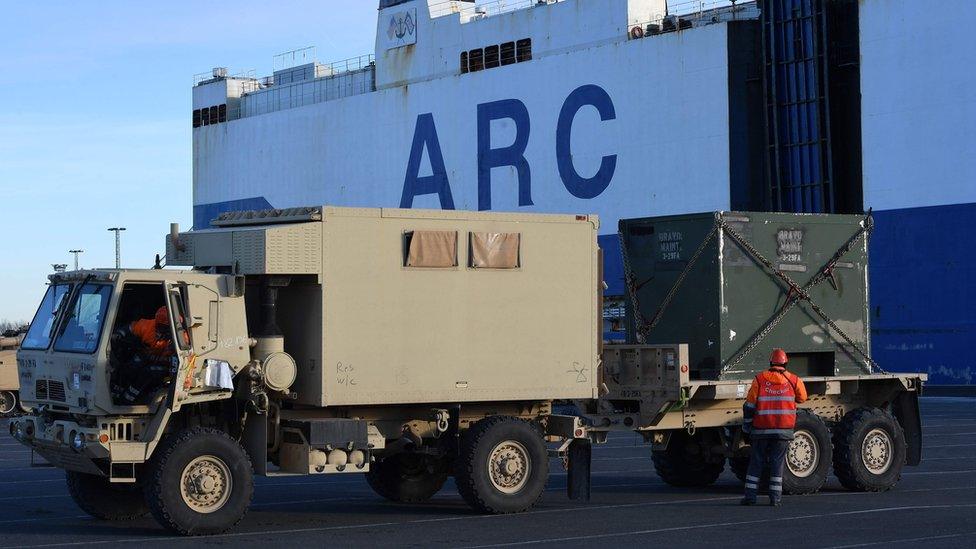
pixel 401 26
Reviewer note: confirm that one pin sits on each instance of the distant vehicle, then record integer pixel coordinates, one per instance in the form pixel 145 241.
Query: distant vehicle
pixel 408 345
pixel 9 383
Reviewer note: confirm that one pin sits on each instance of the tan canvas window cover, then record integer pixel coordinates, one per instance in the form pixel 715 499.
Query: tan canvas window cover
pixel 432 249
pixel 495 250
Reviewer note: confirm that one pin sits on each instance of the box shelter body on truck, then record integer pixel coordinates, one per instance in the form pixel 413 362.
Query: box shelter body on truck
pixel 391 306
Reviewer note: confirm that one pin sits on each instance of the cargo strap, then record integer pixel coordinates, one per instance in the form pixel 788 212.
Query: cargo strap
pixel 795 292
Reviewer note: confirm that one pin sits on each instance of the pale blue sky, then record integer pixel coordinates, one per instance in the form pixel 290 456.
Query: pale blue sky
pixel 95 117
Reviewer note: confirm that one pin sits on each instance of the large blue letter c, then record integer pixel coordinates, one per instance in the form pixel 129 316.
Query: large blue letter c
pixel 576 184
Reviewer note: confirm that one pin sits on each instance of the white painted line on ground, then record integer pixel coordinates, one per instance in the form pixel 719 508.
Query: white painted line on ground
pixel 720 524
pixel 939 472
pixel 904 540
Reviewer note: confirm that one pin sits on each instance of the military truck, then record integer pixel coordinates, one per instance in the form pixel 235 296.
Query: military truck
pixel 407 345
pixel 9 383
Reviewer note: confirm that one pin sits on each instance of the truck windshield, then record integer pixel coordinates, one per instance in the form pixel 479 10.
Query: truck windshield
pixel 39 334
pixel 83 321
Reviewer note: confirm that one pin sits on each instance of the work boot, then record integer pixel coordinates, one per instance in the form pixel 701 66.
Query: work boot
pixel 747 501
pixel 774 502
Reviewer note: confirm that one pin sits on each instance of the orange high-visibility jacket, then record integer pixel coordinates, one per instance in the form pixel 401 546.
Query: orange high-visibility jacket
pixel 145 330
pixel 770 407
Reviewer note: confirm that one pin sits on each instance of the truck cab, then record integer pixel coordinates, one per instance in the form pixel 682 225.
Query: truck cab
pixel 110 353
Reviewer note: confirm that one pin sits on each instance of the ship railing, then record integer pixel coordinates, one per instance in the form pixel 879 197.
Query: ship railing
pixel 693 13
pixel 483 9
pixel 334 69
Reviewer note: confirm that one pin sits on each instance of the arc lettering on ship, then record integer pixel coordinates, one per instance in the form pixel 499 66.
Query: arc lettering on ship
pixel 425 139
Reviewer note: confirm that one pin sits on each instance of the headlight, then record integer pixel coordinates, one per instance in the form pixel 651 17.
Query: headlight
pixel 78 442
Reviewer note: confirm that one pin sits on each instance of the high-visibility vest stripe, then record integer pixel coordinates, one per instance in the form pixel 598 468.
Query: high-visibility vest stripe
pixel 788 432
pixel 777 399
pixel 776 413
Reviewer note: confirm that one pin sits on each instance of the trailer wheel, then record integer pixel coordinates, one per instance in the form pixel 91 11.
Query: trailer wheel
pixel 104 500
pixel 686 463
pixel 869 450
pixel 407 477
pixel 808 457
pixel 8 403
pixel 503 465
pixel 200 482
pixel 807 460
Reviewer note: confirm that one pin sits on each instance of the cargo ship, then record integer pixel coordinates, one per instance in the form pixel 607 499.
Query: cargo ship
pixel 638 108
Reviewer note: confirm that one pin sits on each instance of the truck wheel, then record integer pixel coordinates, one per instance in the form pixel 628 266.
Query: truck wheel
pixel 503 465
pixel 8 403
pixel 104 500
pixel 685 461
pixel 869 450
pixel 807 460
pixel 200 482
pixel 407 478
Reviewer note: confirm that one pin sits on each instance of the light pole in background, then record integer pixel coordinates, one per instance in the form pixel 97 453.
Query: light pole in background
pixel 76 252
pixel 118 254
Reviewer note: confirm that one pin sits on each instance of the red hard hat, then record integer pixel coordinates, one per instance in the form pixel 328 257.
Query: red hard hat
pixel 778 358
pixel 162 316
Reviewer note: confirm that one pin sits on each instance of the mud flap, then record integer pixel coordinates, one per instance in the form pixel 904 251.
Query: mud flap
pixel 578 479
pixel 255 442
pixel 905 408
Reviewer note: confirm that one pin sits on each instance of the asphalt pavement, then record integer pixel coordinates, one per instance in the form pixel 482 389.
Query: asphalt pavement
pixel 934 505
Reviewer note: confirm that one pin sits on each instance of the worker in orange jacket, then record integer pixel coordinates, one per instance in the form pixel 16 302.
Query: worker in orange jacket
pixel 769 418
pixel 149 365
pixel 155 333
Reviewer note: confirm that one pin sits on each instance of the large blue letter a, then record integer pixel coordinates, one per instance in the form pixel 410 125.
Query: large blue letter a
pixel 425 136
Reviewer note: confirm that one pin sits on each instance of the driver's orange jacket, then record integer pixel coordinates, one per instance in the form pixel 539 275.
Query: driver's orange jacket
pixel 145 330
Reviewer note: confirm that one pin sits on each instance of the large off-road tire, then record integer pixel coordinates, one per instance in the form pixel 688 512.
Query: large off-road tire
pixel 408 478
pixel 9 403
pixel 807 460
pixel 104 500
pixel 686 463
pixel 200 482
pixel 503 465
pixel 869 450
pixel 809 455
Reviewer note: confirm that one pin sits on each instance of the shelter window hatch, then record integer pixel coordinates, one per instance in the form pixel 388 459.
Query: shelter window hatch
pixel 430 249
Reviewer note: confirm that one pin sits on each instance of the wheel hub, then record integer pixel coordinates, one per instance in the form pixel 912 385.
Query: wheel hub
pixel 509 466
pixel 803 455
pixel 206 484
pixel 7 402
pixel 876 451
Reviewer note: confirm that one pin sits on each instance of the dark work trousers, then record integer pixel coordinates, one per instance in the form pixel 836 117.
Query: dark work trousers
pixel 768 454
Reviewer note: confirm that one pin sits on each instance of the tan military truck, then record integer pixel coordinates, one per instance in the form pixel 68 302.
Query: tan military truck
pixel 9 384
pixel 407 345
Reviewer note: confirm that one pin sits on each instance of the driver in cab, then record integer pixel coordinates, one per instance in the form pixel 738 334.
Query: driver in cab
pixel 148 366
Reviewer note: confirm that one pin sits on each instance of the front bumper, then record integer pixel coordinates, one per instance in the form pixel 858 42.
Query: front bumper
pixel 53 442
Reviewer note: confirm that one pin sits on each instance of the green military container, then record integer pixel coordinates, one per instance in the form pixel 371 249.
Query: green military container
pixel 737 283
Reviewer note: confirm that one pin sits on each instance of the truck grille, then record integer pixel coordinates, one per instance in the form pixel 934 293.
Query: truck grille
pixel 49 390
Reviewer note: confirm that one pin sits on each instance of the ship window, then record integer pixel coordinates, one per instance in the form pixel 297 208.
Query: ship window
pixel 431 249
pixel 508 53
pixel 213 114
pixel 491 57
pixel 464 62
pixel 476 60
pixel 222 113
pixel 494 250
pixel 523 50
pixel 205 116
pixel 196 119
